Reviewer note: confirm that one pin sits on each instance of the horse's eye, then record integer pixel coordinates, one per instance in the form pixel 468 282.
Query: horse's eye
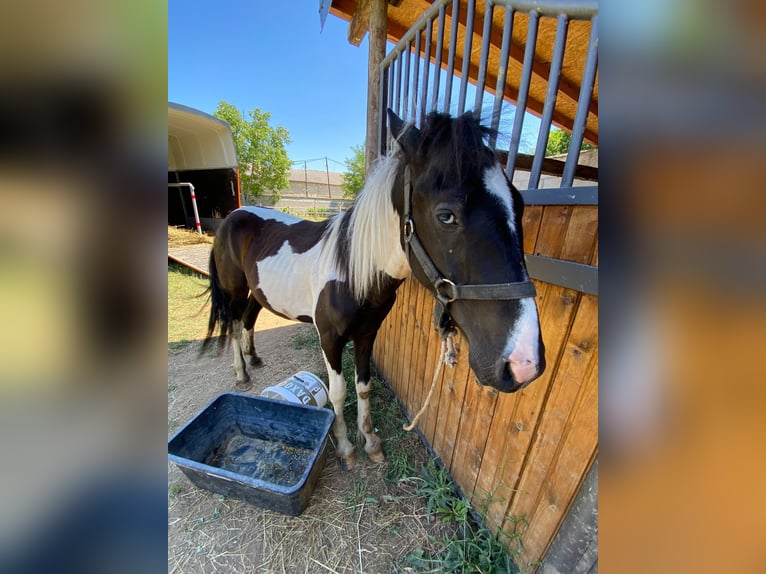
pixel 446 217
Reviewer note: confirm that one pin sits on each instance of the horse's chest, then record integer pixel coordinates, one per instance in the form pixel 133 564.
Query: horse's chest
pixel 287 280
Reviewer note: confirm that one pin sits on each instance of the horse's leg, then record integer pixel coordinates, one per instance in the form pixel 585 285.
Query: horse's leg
pixel 332 350
pixel 243 379
pixel 248 322
pixel 362 352
pixel 238 307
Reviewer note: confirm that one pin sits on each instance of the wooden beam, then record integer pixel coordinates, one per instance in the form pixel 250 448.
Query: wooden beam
pixel 360 23
pixel 378 21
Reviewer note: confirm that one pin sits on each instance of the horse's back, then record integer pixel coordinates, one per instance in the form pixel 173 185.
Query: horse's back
pixel 280 256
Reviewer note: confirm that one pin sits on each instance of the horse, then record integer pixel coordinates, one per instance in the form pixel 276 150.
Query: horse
pixel 438 207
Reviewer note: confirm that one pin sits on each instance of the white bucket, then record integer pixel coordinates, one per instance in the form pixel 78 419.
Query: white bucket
pixel 303 387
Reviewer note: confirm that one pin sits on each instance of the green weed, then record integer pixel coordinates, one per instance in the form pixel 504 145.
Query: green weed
pixel 175 489
pixel 470 548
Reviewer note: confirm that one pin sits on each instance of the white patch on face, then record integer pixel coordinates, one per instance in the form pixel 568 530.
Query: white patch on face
pixel 524 338
pixel 271 214
pixel 497 185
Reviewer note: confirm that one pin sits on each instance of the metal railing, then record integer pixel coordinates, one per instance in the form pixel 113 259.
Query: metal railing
pixel 418 76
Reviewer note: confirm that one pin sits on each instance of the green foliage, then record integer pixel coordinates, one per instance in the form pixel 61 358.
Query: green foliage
pixel 353 179
pixel 187 316
pixel 469 548
pixel 263 161
pixel 558 142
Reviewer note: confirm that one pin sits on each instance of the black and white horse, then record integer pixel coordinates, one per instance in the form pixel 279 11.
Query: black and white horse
pixel 440 207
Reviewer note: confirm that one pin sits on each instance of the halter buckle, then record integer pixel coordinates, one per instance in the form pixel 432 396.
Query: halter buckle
pixel 446 290
pixel 409 229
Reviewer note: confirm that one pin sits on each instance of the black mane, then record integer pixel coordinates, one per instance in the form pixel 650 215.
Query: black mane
pixel 455 146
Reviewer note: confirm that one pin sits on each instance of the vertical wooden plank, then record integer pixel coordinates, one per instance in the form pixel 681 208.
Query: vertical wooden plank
pixel 575 364
pixel 580 237
pixel 574 456
pixel 514 431
pixel 451 403
pixel 399 337
pixel 416 340
pixel 430 417
pixel 530 223
pixel 405 345
pixel 478 408
pixel 395 321
pixel 423 325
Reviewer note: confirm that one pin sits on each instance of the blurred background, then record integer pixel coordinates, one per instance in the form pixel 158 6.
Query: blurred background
pixel 682 385
pixel 83 111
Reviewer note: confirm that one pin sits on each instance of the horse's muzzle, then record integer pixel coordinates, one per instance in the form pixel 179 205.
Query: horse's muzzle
pixel 509 377
pixel 522 372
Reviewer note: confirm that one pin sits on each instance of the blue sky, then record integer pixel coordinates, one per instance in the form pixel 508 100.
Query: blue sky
pixel 272 56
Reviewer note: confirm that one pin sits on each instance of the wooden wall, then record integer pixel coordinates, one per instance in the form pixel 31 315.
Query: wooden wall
pixel 513 455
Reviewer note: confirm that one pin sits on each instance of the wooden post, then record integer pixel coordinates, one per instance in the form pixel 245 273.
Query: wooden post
pixel 377 39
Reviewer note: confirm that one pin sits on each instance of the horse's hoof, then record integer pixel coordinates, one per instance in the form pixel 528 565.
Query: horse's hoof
pixel 377 456
pixel 256 361
pixel 347 462
pixel 244 385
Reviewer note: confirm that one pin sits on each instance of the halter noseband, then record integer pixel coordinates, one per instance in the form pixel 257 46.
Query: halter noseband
pixel 445 290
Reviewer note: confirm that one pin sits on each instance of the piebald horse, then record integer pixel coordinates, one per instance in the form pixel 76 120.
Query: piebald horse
pixel 439 207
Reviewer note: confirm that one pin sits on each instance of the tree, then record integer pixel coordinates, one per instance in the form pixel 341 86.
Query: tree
pixel 263 161
pixel 558 142
pixel 353 179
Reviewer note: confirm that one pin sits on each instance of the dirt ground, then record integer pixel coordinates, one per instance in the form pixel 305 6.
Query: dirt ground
pixel 356 521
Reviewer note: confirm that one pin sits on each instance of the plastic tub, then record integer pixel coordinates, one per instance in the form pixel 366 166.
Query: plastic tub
pixel 263 451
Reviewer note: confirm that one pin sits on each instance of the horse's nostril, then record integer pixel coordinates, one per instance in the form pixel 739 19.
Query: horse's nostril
pixel 523 370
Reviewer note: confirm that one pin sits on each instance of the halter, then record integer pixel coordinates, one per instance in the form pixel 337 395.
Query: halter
pixel 445 290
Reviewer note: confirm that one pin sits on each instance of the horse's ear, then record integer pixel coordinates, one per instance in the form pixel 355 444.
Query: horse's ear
pixel 396 123
pixel 406 136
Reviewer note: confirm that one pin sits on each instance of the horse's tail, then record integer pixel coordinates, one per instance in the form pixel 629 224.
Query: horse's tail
pixel 220 309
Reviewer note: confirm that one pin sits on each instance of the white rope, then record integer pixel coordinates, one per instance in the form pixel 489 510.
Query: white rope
pixel 447 356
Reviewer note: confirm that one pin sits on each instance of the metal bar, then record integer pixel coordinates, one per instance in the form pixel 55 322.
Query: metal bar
pixel 467 45
pixel 398 91
pixel 502 73
pixel 389 71
pixel 550 100
pixel 451 57
pixel 417 26
pixel 577 276
pixel 426 71
pixel 521 101
pixel 585 195
pixel 583 105
pixel 197 223
pixel 438 66
pixel 579 10
pixel 392 86
pixel 406 92
pixel 416 78
pixel 382 105
pixel 485 37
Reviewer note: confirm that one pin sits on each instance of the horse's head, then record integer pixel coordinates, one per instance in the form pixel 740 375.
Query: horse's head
pixel 458 208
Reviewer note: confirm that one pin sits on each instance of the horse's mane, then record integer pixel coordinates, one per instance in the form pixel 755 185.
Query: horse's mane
pixel 373 229
pixel 455 147
pixel 367 237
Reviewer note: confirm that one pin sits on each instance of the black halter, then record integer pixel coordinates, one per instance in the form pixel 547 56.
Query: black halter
pixel 445 290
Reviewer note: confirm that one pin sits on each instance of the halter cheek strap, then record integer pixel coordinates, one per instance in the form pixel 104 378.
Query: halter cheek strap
pixel 445 290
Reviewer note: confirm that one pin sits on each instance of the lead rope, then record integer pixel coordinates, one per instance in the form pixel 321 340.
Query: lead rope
pixel 449 357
